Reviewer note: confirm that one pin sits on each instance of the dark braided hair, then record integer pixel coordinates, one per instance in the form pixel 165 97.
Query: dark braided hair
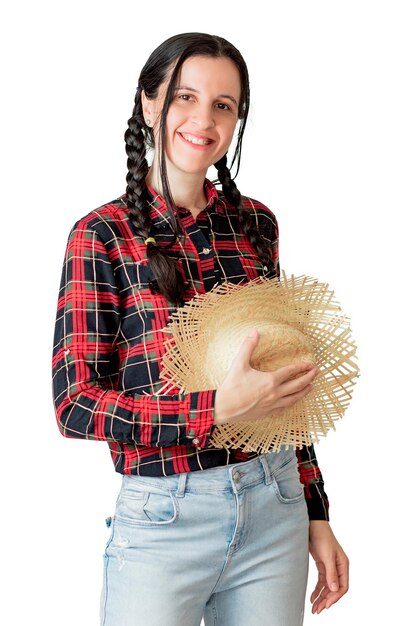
pixel 232 194
pixel 138 137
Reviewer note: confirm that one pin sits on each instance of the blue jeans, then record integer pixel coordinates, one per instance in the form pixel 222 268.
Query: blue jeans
pixel 228 544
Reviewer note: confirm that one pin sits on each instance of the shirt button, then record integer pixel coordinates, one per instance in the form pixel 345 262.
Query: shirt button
pixel 206 250
pixel 67 351
pixel 196 440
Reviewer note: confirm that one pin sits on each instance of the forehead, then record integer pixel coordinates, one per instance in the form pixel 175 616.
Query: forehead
pixel 213 75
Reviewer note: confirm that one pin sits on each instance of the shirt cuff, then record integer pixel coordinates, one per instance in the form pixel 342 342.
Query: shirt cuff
pixel 318 509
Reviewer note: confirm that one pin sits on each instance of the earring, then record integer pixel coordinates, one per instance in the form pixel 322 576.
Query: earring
pixel 148 122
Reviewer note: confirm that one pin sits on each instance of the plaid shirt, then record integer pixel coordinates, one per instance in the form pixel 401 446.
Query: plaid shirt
pixel 108 341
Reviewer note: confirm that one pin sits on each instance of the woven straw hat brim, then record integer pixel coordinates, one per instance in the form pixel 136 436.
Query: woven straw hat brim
pixel 298 319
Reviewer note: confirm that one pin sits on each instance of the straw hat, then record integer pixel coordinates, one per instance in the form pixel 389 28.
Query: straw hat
pixel 298 319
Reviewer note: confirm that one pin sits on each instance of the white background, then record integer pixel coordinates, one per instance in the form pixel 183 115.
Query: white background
pixel 330 147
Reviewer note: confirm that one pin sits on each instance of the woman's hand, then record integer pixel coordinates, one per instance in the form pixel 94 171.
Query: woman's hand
pixel 332 564
pixel 247 394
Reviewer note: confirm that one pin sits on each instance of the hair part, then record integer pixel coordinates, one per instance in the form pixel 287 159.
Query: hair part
pixel 170 55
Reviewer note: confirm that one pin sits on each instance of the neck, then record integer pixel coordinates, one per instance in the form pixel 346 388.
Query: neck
pixel 187 189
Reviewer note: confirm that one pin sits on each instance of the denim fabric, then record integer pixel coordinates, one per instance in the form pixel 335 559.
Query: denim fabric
pixel 228 544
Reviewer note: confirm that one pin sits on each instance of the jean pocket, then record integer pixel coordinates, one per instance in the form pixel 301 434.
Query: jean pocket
pixel 288 487
pixel 147 507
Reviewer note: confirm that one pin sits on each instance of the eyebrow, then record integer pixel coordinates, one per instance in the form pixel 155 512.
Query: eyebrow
pixel 222 95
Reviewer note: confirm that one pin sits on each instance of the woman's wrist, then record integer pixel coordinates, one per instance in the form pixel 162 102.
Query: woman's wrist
pixel 219 418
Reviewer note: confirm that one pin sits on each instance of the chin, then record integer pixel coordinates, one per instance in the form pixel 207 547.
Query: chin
pixel 192 168
pixel 194 164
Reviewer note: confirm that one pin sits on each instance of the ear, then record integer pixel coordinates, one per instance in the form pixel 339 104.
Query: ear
pixel 147 108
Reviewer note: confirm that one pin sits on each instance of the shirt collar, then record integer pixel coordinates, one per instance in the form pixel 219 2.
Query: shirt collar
pixel 159 211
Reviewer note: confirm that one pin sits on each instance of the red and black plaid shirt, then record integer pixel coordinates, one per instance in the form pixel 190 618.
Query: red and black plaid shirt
pixel 108 341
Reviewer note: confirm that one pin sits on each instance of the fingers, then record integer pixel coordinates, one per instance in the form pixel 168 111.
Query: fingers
pixel 298 384
pixel 326 598
pixel 332 579
pixel 291 399
pixel 321 583
pixel 291 392
pixel 331 587
pixel 287 372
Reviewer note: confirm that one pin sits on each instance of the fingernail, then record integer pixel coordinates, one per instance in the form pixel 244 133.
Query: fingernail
pixel 252 332
pixel 333 586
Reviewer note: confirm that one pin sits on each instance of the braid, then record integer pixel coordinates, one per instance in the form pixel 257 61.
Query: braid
pixel 137 169
pixel 168 278
pixel 232 193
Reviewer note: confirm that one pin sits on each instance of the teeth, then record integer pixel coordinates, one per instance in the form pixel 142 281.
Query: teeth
pixel 200 142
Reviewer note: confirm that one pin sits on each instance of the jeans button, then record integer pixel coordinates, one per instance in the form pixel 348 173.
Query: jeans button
pixel 237 477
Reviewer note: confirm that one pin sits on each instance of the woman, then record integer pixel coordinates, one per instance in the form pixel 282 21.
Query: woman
pixel 197 531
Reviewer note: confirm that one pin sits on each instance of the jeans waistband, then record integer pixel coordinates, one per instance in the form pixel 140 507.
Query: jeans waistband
pixel 232 477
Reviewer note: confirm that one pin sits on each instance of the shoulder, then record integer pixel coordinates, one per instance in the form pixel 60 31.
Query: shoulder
pixel 105 221
pixel 259 209
pixel 264 217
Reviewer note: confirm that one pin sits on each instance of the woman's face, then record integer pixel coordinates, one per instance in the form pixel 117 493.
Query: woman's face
pixel 202 116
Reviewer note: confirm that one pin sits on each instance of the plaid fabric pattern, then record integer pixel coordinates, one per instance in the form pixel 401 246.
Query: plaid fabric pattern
pixel 108 343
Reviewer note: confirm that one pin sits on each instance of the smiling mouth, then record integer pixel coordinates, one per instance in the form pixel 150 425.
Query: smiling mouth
pixel 197 141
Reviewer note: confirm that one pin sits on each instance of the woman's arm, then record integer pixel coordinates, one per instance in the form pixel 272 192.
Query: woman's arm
pixel 85 362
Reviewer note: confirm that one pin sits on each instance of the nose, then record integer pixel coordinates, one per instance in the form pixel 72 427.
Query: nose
pixel 203 117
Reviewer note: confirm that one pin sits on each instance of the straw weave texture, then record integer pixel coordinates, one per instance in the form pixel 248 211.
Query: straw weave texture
pixel 298 319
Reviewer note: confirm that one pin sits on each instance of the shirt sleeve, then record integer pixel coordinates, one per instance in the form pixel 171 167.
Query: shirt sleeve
pixel 309 471
pixel 85 363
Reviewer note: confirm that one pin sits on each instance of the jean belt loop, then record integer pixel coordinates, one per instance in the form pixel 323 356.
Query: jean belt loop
pixel 267 470
pixel 182 480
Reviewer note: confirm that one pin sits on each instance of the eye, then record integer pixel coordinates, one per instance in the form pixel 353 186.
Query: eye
pixel 184 96
pixel 224 106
